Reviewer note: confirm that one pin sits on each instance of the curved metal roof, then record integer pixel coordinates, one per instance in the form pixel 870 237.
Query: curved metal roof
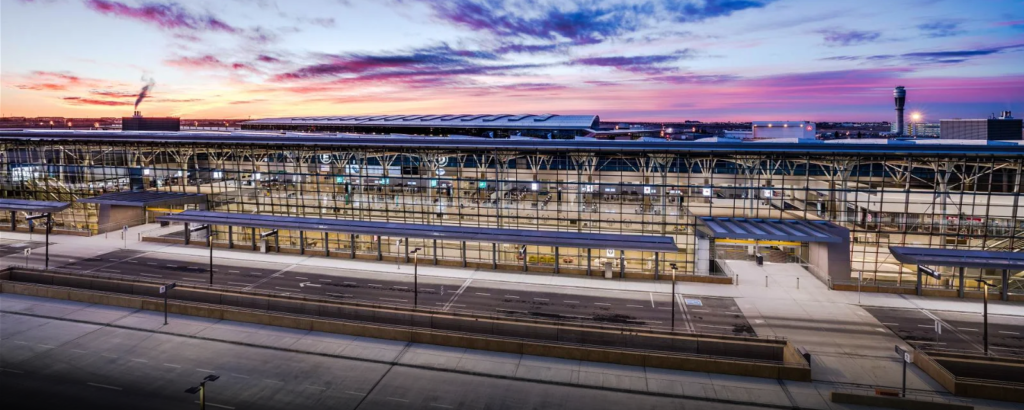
pixel 519 121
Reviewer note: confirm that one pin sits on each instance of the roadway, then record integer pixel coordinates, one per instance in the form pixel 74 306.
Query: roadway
pixel 960 331
pixel 696 313
pixel 10 247
pixel 50 364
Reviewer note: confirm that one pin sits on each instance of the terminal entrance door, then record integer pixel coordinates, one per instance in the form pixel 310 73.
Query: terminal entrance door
pixel 772 251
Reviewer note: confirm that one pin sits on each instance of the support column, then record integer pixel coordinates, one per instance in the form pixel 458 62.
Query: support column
pixel 188 234
pixel 656 265
pixel 231 237
pixel 526 256
pixel 327 245
pixel 277 243
pixel 556 259
pixel 302 242
pixel 1005 296
pixel 14 222
pixel 920 284
pixel 494 256
pixel 254 239
pixel 463 254
pixel 380 255
pixel 622 264
pixel 406 250
pixel 435 252
pixel 961 282
pixel 589 262
pixel 352 246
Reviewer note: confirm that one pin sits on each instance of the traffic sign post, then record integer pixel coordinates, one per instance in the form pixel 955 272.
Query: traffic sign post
pixel 124 235
pixel 28 251
pixel 163 291
pixel 905 355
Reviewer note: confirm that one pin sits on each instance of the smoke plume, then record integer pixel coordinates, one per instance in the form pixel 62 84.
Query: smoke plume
pixel 144 92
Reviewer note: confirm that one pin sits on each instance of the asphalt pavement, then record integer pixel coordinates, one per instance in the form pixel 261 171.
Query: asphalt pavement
pixel 11 247
pixel 695 313
pixel 959 331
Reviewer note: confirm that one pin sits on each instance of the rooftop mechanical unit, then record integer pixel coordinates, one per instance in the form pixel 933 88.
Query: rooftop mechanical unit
pixel 139 123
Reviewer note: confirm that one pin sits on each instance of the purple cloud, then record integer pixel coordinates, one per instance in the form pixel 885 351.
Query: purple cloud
pixel 937 29
pixel 171 16
pixel 649 64
pixel 849 38
pixel 430 61
pixel 686 12
pixel 92 101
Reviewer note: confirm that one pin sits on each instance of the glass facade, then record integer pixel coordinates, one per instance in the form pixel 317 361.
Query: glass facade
pixel 912 196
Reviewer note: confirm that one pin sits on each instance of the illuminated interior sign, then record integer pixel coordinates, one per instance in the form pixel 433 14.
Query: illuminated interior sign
pixel 705 191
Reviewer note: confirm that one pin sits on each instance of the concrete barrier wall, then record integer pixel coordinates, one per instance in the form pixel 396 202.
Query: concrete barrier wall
pixel 932 368
pixel 971 387
pixel 606 355
pixel 941 293
pixel 894 402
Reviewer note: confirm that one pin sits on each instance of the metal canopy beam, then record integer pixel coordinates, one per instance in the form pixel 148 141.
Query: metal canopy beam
pixel 792 230
pixel 146 198
pixel 441 232
pixel 31 206
pixel 958 258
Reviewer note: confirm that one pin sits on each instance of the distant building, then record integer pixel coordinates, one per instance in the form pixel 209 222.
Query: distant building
pixel 992 129
pixel 783 129
pixel 924 129
pixel 139 123
pixel 738 134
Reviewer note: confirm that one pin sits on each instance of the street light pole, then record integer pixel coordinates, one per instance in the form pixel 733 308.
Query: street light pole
pixel 672 302
pixel 201 389
pixel 209 236
pixel 984 337
pixel 416 277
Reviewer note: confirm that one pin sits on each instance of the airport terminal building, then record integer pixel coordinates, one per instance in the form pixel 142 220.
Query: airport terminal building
pixel 833 206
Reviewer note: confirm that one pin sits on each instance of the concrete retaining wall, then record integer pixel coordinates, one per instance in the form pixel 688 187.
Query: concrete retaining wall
pixel 941 293
pixel 894 402
pixel 706 363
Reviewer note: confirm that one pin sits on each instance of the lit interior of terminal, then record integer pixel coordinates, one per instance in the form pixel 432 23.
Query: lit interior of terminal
pixel 938 194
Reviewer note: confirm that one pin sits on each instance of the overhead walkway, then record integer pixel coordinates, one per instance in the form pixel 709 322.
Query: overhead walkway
pixel 961 259
pixel 828 243
pixel 434 233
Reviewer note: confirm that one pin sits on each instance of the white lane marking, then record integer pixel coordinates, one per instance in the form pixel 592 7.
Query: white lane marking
pixel 400 287
pixel 78 351
pixel 891 324
pixel 425 289
pixel 397 399
pixel 114 259
pixel 357 394
pixel 349 283
pixel 931 326
pixel 442 405
pixel 233 271
pixel 107 355
pixel 395 300
pixel 110 270
pixel 11 370
pixel 140 360
pixel 172 266
pixel 239 283
pixel 240 375
pixel 451 302
pixel 288 289
pixel 151 263
pixel 204 370
pixel 540 299
pixel 344 295
pixel 171 365
pixel 571 301
pixel 602 304
pixel 652 298
pixel 513 297
pixel 216 405
pixel 104 386
pixel 720 327
pixel 324 280
pixel 879 329
pixel 194 279
pixel 300 277
pixel 1009 333
pixel 374 284
pixel 967 328
pixel 150 275
pixel 635 306
pixel 48 346
pixel 700 310
pixel 272 381
pixel 483 294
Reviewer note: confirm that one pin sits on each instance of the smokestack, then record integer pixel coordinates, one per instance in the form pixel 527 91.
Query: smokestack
pixel 143 93
pixel 901 98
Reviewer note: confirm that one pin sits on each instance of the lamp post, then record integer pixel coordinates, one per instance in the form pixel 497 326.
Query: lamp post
pixel 984 336
pixel 209 237
pixel 201 389
pixel 672 302
pixel 415 277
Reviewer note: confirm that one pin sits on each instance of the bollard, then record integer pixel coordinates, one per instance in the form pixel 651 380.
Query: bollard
pixel 737 279
pixel 798 283
pixel 766 281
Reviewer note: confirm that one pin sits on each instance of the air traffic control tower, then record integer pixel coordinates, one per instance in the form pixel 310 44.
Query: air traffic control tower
pixel 901 98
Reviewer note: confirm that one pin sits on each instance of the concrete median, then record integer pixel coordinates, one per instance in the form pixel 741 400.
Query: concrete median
pixel 757 358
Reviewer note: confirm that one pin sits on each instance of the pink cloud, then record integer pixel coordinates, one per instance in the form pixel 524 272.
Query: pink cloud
pixel 164 15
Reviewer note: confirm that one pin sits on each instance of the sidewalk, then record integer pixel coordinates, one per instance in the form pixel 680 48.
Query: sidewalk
pixel 17 310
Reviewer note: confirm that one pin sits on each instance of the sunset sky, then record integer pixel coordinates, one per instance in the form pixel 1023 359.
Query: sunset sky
pixel 658 60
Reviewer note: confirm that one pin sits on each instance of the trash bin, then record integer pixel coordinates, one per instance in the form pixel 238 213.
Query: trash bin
pixel 607 270
pixel 760 259
pixel 164 223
